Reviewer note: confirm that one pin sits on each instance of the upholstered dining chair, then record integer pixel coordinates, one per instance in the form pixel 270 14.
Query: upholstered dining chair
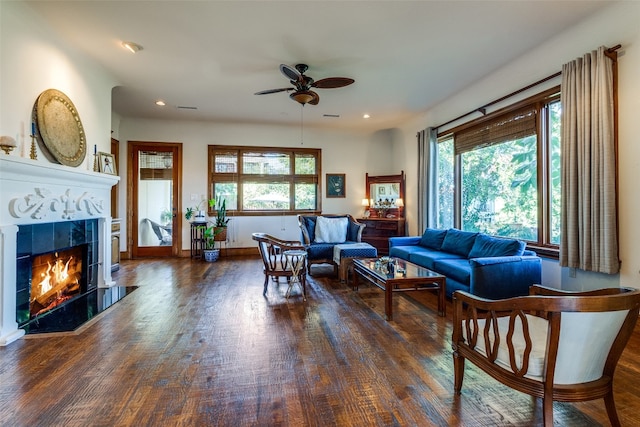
pixel 276 264
pixel 555 345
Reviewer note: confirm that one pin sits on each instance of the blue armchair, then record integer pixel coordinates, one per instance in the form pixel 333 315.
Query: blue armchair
pixel 319 239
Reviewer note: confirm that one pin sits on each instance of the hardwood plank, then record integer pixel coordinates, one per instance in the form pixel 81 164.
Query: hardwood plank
pixel 198 344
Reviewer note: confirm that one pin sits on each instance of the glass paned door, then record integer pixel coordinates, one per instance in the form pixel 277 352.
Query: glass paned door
pixel 154 203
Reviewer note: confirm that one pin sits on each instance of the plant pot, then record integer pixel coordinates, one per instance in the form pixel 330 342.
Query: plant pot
pixel 221 235
pixel 200 216
pixel 211 255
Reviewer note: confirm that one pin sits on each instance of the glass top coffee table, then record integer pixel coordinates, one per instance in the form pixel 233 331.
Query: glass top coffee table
pixel 405 276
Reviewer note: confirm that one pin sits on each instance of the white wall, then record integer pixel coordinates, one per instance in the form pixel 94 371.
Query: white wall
pixel 353 154
pixel 616 24
pixel 32 61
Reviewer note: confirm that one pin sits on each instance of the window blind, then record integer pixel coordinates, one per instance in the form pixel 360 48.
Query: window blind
pixel 505 127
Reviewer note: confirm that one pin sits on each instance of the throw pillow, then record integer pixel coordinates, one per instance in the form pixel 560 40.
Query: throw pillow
pixel 458 242
pixel 487 246
pixel 432 238
pixel 331 230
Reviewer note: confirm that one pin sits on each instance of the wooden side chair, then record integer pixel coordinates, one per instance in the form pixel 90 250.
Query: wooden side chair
pixel 556 345
pixel 276 263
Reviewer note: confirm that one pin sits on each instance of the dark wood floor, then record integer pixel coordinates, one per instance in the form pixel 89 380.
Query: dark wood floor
pixel 198 345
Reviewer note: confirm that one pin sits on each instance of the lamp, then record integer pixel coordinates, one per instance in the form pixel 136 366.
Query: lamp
pixel 132 47
pixel 302 96
pixel 400 205
pixel 7 143
pixel 365 205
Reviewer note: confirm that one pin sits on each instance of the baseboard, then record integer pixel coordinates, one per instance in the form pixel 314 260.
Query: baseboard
pixel 227 252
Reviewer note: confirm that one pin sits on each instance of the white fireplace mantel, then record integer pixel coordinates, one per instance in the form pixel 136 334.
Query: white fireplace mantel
pixel 34 192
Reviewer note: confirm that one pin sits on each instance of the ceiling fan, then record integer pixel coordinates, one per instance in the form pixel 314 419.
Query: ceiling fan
pixel 303 84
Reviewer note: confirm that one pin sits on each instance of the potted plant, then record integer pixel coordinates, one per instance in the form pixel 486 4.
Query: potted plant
pixel 211 254
pixel 196 212
pixel 220 206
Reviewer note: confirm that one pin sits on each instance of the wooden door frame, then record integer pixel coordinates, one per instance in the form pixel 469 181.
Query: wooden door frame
pixel 132 198
pixel 115 150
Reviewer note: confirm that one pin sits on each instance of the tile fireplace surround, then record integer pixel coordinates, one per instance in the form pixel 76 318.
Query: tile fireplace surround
pixel 38 192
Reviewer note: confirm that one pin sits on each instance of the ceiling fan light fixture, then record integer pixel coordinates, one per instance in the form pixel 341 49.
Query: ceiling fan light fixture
pixel 303 96
pixel 132 47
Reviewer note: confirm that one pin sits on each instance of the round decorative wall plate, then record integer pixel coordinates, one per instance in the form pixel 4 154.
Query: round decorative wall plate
pixel 60 128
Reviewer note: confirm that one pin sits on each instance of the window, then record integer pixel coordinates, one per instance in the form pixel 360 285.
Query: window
pixel 255 180
pixel 500 175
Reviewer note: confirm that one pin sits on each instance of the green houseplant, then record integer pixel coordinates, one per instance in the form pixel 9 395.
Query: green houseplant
pixel 196 212
pixel 211 254
pixel 220 206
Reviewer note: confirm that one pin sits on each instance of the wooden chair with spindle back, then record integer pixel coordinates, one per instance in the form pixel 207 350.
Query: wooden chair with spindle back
pixel 555 345
pixel 276 264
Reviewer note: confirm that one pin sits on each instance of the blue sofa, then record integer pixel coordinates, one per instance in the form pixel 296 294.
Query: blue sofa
pixel 320 250
pixel 485 266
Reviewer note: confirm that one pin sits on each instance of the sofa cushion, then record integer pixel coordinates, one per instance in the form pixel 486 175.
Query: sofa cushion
pixel 458 242
pixel 428 257
pixel 487 246
pixel 320 251
pixel 432 238
pixel 457 269
pixel 352 231
pixel 331 230
pixel 310 226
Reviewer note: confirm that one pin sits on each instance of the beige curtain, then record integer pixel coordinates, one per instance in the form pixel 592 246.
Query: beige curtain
pixel 589 218
pixel 427 179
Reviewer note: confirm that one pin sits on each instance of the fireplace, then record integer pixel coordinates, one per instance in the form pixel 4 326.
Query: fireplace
pixel 50 210
pixel 56 262
pixel 56 277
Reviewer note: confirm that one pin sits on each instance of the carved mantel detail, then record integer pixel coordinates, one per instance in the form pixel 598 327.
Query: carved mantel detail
pixel 42 202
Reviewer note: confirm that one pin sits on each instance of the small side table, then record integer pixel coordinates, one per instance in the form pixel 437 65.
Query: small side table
pixel 197 239
pixel 296 259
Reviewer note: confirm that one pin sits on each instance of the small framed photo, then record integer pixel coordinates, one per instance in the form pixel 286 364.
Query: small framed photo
pixel 107 163
pixel 336 185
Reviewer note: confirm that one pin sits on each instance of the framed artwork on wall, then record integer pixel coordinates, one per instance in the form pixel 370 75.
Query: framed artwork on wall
pixel 336 185
pixel 106 163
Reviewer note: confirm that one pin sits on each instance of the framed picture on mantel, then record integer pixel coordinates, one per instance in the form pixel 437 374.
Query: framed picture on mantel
pixel 336 185
pixel 106 163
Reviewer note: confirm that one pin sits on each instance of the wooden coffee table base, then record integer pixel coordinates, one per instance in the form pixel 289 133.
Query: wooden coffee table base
pixel 414 279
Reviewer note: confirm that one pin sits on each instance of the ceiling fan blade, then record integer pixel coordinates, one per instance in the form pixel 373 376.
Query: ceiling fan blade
pixel 290 72
pixel 265 92
pixel 316 98
pixel 332 82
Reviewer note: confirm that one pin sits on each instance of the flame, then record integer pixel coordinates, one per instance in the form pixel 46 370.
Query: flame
pixel 57 282
pixel 56 274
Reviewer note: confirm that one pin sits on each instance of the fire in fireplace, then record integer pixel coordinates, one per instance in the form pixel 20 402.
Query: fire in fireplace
pixel 56 277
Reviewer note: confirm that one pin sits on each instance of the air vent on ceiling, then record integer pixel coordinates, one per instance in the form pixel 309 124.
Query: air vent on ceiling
pixel 331 115
pixel 182 107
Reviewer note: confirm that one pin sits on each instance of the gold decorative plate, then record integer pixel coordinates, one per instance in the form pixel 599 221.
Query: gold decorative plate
pixel 60 128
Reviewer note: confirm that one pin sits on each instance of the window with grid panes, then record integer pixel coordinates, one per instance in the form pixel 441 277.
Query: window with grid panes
pixel 258 180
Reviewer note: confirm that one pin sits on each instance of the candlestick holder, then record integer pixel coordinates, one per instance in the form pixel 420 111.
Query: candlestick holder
pixel 34 153
pixel 95 163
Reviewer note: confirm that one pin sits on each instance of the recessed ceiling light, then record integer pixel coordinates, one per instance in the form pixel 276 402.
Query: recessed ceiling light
pixel 161 103
pixel 366 116
pixel 132 47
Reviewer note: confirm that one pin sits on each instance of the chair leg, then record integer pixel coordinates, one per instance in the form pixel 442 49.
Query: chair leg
pixel 547 410
pixel 610 404
pixel 458 372
pixel 266 284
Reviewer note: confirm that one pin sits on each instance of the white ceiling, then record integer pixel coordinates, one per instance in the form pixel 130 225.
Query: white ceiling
pixel 405 56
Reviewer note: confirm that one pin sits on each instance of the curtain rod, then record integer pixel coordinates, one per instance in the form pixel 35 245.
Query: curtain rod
pixel 483 109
